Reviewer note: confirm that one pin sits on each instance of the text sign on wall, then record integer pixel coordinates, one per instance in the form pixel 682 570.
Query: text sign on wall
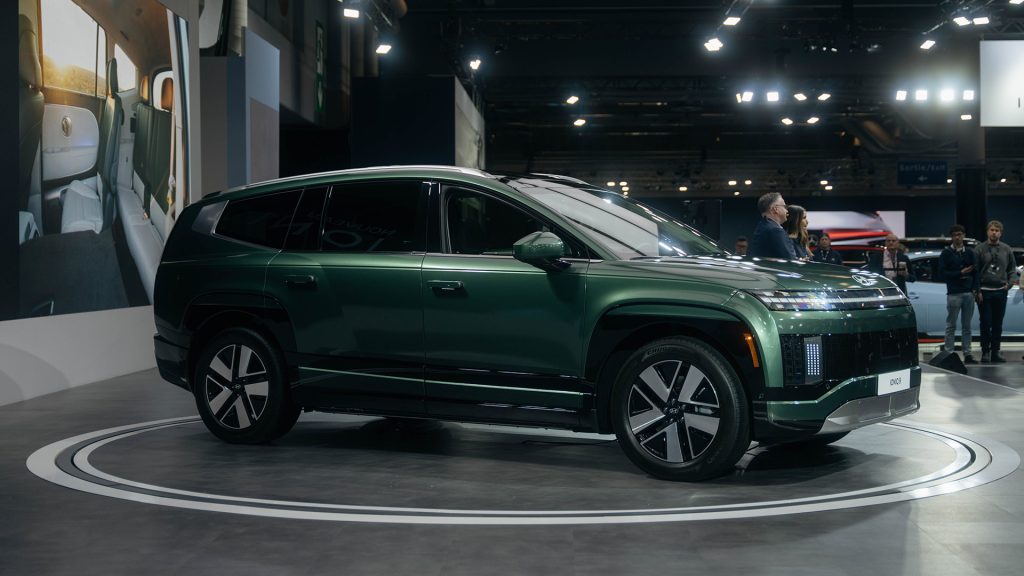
pixel 921 173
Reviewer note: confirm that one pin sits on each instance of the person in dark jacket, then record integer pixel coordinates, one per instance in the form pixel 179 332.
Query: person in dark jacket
pixel 997 271
pixel 796 228
pixel 893 263
pixel 825 254
pixel 769 239
pixel 957 266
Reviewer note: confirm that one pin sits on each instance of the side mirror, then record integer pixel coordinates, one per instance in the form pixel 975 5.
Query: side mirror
pixel 541 249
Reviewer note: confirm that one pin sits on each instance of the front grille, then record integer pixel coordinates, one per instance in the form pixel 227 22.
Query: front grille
pixel 845 356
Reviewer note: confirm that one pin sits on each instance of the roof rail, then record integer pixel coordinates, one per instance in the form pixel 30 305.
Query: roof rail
pixel 368 169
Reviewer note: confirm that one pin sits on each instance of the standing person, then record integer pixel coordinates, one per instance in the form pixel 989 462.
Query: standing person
pixel 957 266
pixel 796 229
pixel 769 239
pixel 825 254
pixel 741 246
pixel 997 270
pixel 893 263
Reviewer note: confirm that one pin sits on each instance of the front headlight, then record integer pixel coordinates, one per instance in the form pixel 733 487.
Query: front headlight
pixel 799 301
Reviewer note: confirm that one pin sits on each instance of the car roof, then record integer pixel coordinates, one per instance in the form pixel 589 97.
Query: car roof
pixel 409 171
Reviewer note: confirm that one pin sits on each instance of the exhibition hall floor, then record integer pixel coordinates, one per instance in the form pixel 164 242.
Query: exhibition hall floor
pixel 120 477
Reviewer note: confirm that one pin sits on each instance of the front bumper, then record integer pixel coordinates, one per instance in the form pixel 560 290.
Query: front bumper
pixel 851 404
pixel 172 362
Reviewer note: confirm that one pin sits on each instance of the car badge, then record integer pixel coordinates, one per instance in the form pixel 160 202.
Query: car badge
pixel 865 280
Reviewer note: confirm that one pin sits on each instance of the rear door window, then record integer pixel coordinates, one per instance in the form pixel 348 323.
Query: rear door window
pixel 304 233
pixel 375 217
pixel 262 220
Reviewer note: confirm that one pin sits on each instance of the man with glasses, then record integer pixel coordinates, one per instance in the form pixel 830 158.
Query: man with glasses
pixel 957 268
pixel 892 263
pixel 770 239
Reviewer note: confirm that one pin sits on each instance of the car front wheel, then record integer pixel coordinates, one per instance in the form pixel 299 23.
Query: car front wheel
pixel 679 411
pixel 241 389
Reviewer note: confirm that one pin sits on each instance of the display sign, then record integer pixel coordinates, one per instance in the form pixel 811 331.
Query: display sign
pixel 922 173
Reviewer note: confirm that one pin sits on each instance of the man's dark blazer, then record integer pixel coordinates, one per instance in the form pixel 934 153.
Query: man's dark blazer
pixel 770 241
pixel 827 257
pixel 876 259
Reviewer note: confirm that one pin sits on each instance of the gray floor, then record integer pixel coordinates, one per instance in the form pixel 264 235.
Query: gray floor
pixel 50 529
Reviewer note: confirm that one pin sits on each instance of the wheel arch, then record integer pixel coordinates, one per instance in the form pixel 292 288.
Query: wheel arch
pixel 623 330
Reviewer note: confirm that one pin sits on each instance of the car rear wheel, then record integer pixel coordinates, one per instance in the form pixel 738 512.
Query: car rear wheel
pixel 679 411
pixel 241 389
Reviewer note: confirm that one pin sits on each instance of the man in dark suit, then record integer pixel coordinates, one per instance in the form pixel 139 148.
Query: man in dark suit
pixel 824 252
pixel 893 263
pixel 769 239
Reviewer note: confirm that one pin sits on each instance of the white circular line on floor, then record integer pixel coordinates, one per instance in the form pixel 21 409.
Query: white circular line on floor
pixel 977 461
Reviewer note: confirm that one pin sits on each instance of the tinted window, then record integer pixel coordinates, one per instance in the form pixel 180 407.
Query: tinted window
pixel 262 220
pixel 304 233
pixel 374 217
pixel 479 224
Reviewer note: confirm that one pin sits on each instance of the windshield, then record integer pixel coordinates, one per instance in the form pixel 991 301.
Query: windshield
pixel 624 226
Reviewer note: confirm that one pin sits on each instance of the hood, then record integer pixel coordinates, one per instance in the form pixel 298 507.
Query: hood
pixel 762 273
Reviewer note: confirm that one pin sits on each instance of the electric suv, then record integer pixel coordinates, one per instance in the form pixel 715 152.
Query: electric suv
pixel 538 300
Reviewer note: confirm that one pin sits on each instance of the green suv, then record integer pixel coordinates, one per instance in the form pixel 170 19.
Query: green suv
pixel 539 300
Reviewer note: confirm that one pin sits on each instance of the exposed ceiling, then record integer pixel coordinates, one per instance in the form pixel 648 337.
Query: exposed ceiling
pixel 661 111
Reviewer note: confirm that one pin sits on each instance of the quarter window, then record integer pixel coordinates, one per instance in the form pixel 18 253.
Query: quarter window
pixel 375 217
pixel 262 220
pixel 126 72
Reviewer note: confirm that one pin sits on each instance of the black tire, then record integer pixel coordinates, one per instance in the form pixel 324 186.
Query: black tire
pixel 241 388
pixel 693 428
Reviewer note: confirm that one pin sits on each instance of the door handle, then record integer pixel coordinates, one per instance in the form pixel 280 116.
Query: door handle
pixel 445 285
pixel 300 281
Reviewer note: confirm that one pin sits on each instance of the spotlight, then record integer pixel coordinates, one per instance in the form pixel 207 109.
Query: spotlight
pixel 961 21
pixel 946 95
pixel 824 96
pixel 572 99
pixel 813 120
pixel 1002 180
pixel 966 117
pixel 475 63
pixel 623 183
pixel 787 121
pixel 927 45
pixel 683 188
pixel 351 13
pixel 732 182
pixel 949 180
pixel 829 187
pixel 739 98
pixel 736 193
pixel 773 96
pixel 920 95
pixel 969 94
pixel 732 21
pixel 625 189
pixel 981 21
pixel 610 183
pixel 1016 1
pixel 748 182
pixel 823 182
pixel 901 95
pixel 800 96
pixel 713 45
pixel 748 96
pixel 383 49
pixel 579 122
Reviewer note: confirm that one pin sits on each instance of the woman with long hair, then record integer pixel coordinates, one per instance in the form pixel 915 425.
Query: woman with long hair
pixel 796 228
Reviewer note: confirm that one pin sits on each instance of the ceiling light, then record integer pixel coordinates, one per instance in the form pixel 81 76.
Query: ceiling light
pixel 823 182
pixel 572 99
pixel 773 96
pixel 732 21
pixel 946 95
pixel 683 188
pixel 824 96
pixel 961 21
pixel 475 63
pixel 748 96
pixel 920 95
pixel 623 183
pixel 969 94
pixel 1016 1
pixel 383 48
pixel 981 21
pixel 1002 180
pixel 732 182
pixel 813 120
pixel 739 98
pixel 787 121
pixel 351 13
pixel 579 122
pixel 901 95
pixel 966 117
pixel 625 189
pixel 748 182
pixel 610 183
pixel 800 96
pixel 927 44
pixel 829 187
pixel 949 180
pixel 713 45
pixel 736 193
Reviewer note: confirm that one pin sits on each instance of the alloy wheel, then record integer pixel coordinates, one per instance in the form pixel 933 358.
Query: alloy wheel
pixel 236 386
